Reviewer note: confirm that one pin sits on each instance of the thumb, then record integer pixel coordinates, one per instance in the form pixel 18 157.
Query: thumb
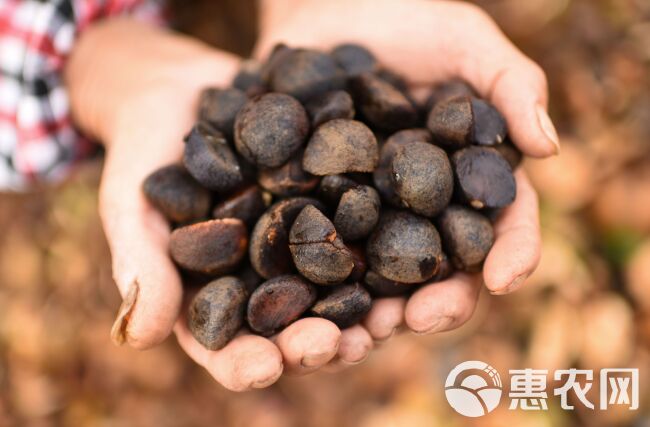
pixel 515 84
pixel 138 238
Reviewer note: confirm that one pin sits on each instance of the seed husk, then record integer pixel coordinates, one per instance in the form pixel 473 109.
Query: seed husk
pixel 318 252
pixel 483 177
pixel 382 175
pixel 447 91
pixel 249 78
pixel 306 73
pixel 359 260
pixel 269 247
pixel 451 122
pixel 329 106
pixel 404 247
pixel 210 160
pixel 246 205
pixel 445 271
pixel 270 128
pixel 332 187
pixel 382 104
pixel 422 178
pixel 467 237
pixel 465 120
pixel 210 247
pixel 278 53
pixel 383 287
pixel 354 59
pixel 173 191
pixel 341 146
pixel 357 213
pixel 346 305
pixel 249 276
pixel 510 152
pixel 278 302
pixel 489 126
pixel 289 179
pixel 217 312
pixel 220 106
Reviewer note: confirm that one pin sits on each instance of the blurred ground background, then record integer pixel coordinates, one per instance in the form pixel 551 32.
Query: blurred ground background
pixel 587 306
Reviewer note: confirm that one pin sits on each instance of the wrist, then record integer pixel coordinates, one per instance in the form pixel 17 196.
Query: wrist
pixel 119 68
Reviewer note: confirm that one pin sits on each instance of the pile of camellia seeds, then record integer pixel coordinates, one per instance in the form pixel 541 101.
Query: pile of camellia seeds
pixel 316 183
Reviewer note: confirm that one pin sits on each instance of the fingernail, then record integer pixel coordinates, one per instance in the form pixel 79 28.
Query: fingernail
pixel 513 286
pixel 366 353
pixel 547 126
pixel 119 329
pixel 312 360
pixel 268 381
pixel 439 325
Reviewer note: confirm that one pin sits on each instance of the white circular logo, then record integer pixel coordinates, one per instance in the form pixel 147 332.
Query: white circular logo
pixel 473 388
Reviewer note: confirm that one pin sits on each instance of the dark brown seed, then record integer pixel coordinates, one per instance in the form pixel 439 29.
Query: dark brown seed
pixel 278 53
pixel 270 128
pixel 404 247
pixel 220 106
pixel 383 105
pixel 249 78
pixel 359 260
pixel 484 178
pixel 217 312
pixel 354 59
pixel 247 205
pixel 447 91
pixel 445 271
pixel 210 160
pixel 357 213
pixel 341 146
pixel 382 287
pixel 249 276
pixel 509 152
pixel 305 73
pixel 173 191
pixel 278 302
pixel 332 187
pixel 318 252
pixel 489 126
pixel 382 176
pixel 346 305
pixel 329 106
pixel 269 248
pixel 289 179
pixel 451 122
pixel 467 237
pixel 210 247
pixel 423 178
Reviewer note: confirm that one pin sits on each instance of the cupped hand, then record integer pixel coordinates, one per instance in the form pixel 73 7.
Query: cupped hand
pixel 429 42
pixel 140 100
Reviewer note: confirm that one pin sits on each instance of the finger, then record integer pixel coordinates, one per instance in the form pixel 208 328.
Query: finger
pixel 438 41
pixel 443 306
pixel 517 246
pixel 248 361
pixel 138 238
pixel 501 73
pixel 355 345
pixel 385 316
pixel 308 344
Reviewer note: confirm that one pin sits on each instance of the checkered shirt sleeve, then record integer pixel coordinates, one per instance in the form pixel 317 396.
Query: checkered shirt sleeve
pixel 38 141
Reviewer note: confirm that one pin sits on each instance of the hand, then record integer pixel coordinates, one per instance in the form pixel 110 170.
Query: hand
pixel 428 42
pixel 140 100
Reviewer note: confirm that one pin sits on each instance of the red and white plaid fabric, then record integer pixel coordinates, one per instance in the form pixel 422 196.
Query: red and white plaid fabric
pixel 38 141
